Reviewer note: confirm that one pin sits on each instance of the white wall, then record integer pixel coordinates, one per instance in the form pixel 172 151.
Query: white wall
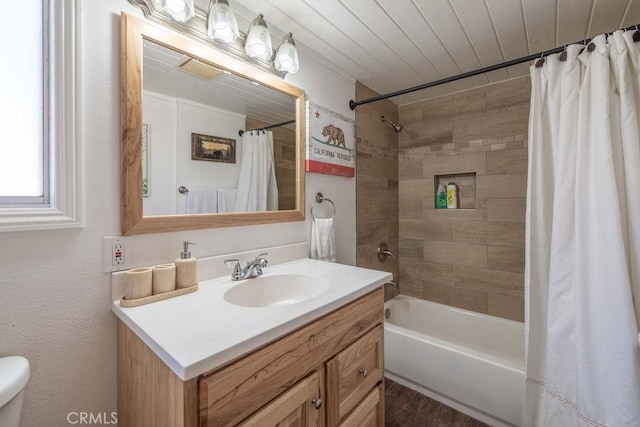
pixel 54 298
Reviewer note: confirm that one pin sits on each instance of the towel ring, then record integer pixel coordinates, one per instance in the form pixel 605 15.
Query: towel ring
pixel 319 199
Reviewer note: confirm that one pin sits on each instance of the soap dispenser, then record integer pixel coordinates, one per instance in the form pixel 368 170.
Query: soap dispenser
pixel 186 268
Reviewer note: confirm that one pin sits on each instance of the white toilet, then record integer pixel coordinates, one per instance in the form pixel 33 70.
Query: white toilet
pixel 14 374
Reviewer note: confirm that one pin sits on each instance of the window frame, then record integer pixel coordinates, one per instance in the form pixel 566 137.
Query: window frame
pixel 62 162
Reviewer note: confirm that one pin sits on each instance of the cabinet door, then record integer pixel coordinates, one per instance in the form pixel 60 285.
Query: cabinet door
pixel 352 373
pixel 295 408
pixel 369 413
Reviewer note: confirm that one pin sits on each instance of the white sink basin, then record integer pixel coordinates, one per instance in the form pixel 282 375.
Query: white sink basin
pixel 281 289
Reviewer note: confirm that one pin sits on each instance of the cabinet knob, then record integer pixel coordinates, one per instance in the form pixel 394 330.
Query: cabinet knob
pixel 317 403
pixel 364 372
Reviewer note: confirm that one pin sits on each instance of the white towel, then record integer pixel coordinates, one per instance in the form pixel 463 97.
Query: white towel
pixel 323 241
pixel 227 200
pixel 202 201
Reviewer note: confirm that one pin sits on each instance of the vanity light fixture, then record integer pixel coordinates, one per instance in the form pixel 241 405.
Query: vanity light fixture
pixel 287 55
pixel 220 28
pixel 180 10
pixel 221 24
pixel 258 43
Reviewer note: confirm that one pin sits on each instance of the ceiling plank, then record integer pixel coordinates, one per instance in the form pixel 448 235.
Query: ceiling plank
pixel 541 24
pixel 607 16
pixel 508 19
pixel 475 18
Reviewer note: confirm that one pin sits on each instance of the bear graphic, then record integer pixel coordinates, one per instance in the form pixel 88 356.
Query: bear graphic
pixel 336 136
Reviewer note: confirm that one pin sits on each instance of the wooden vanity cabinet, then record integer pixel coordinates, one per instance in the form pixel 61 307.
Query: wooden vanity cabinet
pixel 326 373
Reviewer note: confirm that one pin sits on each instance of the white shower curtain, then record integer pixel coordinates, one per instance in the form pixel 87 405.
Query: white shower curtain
pixel 257 187
pixel 583 238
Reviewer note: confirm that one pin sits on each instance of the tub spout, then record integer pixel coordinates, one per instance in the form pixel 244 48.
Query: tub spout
pixel 392 284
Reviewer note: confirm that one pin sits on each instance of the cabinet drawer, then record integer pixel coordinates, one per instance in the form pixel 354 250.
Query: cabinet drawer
pixel 352 373
pixel 369 413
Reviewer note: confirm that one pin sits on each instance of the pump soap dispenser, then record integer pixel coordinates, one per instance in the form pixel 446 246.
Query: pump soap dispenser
pixel 186 268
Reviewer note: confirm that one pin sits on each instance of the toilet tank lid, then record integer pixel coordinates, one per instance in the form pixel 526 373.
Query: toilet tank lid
pixel 14 374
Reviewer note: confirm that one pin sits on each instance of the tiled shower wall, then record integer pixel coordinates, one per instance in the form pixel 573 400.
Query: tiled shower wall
pixel 468 258
pixel 376 183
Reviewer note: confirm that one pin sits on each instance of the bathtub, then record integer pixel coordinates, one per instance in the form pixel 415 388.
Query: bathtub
pixel 469 361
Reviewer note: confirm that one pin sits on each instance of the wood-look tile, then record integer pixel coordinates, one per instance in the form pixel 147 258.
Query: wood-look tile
pixel 506 210
pixel 410 209
pixel 412 248
pixel 416 189
pixel 507 186
pixel 489 233
pixel 472 105
pixel 364 208
pixel 506 259
pixel 435 133
pixel 507 161
pixel 364 163
pixel 410 115
pixel 427 229
pixel 491 281
pixel 410 168
pixel 455 253
pixel 508 307
pixel 504 97
pixel 450 293
pixel 491 126
pixel 461 163
pixel 418 271
pixel 371 232
pixel 384 210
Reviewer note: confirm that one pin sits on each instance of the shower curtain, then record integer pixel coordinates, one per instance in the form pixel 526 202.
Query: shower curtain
pixel 583 238
pixel 257 187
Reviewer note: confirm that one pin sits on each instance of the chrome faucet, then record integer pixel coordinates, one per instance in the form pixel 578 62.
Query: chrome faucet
pixel 252 269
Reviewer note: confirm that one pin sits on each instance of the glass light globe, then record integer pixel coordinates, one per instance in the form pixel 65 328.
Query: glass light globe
pixel 258 44
pixel 180 10
pixel 287 58
pixel 222 25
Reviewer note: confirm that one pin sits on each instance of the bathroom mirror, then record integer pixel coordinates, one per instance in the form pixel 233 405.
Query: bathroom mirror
pixel 183 105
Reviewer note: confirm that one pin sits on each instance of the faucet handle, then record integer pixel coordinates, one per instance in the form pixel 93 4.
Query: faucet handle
pixel 235 263
pixel 232 262
pixel 262 260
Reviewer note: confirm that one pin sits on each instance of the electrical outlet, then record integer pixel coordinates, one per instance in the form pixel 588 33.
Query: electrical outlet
pixel 116 253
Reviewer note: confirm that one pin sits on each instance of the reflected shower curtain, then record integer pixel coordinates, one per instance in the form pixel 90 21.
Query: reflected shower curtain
pixel 583 238
pixel 257 187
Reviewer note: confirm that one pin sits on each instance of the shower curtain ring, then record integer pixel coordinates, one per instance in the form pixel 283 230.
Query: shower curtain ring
pixel 540 62
pixel 563 54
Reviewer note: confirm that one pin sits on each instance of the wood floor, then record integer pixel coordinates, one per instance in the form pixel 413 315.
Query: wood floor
pixel 407 408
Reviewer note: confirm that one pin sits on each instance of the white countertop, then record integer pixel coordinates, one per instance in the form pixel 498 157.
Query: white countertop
pixel 198 332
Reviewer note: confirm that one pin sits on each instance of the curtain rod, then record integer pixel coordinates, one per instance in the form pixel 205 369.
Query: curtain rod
pixel 353 104
pixel 277 125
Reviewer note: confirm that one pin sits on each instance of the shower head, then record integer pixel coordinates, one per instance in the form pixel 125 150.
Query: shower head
pixel 396 127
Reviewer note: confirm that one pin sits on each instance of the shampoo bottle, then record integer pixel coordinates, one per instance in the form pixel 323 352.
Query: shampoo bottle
pixel 186 268
pixel 452 196
pixel 441 197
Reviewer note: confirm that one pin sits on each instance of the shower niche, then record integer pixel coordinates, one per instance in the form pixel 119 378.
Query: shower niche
pixel 466 183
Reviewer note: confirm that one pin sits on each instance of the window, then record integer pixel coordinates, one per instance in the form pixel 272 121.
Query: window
pixel 40 152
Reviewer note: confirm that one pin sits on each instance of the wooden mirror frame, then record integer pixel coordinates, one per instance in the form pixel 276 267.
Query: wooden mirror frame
pixel 132 33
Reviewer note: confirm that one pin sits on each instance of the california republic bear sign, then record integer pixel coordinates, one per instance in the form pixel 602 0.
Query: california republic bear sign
pixel 330 142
